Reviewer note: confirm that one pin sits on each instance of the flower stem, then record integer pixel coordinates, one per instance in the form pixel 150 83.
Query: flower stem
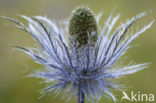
pixel 81 96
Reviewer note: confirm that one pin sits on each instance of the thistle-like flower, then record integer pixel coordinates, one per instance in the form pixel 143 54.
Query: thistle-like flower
pixel 81 24
pixel 85 66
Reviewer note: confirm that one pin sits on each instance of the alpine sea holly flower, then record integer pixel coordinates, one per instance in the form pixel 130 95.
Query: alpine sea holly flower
pixel 82 22
pixel 82 67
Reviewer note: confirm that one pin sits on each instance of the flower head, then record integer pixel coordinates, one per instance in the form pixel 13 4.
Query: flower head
pixel 89 68
pixel 81 24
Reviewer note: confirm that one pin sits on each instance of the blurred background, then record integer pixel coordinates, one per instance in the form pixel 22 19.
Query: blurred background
pixel 14 88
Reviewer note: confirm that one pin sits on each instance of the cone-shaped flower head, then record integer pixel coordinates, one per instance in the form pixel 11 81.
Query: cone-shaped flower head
pixel 89 70
pixel 82 23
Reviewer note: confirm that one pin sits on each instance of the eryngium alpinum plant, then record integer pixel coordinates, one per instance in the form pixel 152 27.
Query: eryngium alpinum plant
pixel 80 58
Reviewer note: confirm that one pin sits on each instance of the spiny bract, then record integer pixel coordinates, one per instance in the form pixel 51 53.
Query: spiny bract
pixel 89 68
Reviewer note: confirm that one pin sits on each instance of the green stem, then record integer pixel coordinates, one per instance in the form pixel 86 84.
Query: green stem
pixel 81 96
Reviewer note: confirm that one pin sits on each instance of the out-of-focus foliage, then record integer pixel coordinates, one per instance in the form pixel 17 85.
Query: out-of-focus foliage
pixel 14 88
